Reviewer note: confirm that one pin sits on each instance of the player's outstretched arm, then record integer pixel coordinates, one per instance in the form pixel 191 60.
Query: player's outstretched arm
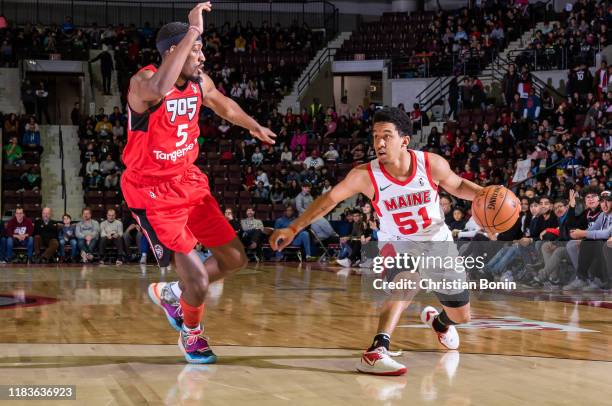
pixel 148 88
pixel 232 112
pixel 357 181
pixel 450 181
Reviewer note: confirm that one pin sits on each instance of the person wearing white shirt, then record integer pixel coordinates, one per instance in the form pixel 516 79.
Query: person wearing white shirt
pixel 314 161
pixel 331 154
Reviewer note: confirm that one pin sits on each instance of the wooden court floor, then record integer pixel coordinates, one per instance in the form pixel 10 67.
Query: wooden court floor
pixel 290 334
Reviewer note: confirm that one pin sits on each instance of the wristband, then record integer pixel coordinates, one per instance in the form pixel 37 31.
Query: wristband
pixel 293 228
pixel 197 29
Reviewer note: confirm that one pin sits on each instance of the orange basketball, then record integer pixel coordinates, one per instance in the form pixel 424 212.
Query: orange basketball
pixel 496 209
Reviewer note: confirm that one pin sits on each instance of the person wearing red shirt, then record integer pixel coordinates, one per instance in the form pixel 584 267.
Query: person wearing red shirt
pixel 19 232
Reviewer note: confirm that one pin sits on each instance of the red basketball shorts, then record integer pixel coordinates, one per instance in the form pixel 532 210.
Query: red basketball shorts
pixel 177 213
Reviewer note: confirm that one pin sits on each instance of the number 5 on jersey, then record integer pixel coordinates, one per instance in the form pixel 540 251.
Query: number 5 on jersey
pixel 182 134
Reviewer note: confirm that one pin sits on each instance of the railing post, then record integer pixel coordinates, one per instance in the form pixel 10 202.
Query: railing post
pixel 173 12
pixel 37 8
pixel 105 12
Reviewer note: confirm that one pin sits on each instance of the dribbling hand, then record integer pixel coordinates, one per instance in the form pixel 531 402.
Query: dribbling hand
pixel 264 135
pixel 195 15
pixel 281 238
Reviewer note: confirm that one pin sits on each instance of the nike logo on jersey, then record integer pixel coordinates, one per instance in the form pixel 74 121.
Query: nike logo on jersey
pixel 382 189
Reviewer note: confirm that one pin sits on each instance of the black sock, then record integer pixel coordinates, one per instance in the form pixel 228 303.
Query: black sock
pixel 380 340
pixel 442 322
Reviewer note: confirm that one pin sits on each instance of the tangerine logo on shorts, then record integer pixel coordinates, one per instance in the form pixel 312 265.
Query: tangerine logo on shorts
pixel 159 251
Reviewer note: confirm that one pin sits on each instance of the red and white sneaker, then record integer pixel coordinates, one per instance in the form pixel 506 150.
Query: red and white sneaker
pixel 450 339
pixel 379 362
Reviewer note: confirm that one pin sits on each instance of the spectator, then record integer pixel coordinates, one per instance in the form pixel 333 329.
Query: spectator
pixel 104 128
pixel 314 161
pixel 459 221
pixel 67 235
pixel 45 236
pixel 19 231
pixel 257 158
pixel 106 67
pixel 31 136
pixel 532 106
pixel 92 166
pixel 31 179
pixel 252 232
pixel 331 155
pixel 11 126
pixel 262 177
pixel 302 239
pixel 286 155
pixel 304 199
pixel 87 233
pixel 261 194
pixel 28 97
pixel 111 181
pixel 229 215
pixel 111 232
pixel 94 182
pixel 14 153
pixel 108 165
pixel 42 103
pixel 343 108
pixel 133 235
pixel 590 248
pixel 75 114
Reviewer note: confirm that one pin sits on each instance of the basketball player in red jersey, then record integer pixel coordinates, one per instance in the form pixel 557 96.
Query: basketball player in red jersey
pixel 167 194
pixel 403 186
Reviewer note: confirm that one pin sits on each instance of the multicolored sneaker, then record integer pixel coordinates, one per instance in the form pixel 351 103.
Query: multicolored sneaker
pixel 161 294
pixel 195 348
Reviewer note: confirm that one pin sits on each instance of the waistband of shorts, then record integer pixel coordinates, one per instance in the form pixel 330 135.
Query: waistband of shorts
pixel 144 180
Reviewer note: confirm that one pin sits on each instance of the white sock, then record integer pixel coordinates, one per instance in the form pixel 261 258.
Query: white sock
pixel 191 330
pixel 176 289
pixel 144 255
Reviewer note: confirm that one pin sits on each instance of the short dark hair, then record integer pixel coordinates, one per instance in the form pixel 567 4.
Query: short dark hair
pixel 170 30
pixel 394 116
pixel 540 198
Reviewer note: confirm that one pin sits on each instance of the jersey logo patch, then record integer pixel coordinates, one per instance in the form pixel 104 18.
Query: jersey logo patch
pixel 421 182
pixel 382 189
pixel 182 107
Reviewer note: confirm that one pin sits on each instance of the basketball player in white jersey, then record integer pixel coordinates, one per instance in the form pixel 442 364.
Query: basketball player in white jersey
pixel 403 186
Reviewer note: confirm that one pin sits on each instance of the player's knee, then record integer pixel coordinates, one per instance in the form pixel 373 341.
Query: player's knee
pixel 197 285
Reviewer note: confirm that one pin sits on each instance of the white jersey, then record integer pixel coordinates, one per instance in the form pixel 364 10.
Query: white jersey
pixel 409 210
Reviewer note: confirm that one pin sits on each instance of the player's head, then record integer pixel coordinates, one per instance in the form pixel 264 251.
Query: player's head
pixel 169 37
pixel 391 130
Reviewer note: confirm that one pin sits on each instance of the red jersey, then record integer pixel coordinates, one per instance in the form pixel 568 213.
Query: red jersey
pixel 163 141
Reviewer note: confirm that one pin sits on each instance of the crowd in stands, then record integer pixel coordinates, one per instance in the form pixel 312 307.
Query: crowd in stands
pixel 439 43
pixel 581 32
pixel 567 142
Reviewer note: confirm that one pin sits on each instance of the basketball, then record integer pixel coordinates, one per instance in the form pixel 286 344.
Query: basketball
pixel 496 208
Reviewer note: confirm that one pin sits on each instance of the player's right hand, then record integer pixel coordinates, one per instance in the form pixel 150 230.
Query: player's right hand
pixel 281 238
pixel 195 15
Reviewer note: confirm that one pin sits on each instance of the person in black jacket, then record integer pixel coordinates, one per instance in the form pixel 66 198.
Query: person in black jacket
pixel 107 67
pixel 45 236
pixel 589 215
pixel 510 84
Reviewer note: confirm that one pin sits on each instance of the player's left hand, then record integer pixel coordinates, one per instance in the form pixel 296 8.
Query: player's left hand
pixel 281 238
pixel 264 134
